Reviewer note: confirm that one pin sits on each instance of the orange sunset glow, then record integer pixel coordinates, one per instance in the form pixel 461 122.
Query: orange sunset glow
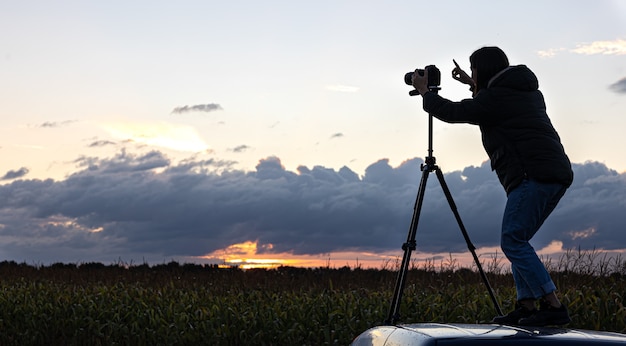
pixel 245 256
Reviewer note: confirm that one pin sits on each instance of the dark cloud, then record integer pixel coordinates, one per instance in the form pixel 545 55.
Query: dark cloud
pixel 337 135
pixel 15 174
pixel 240 148
pixel 143 207
pixel 124 163
pixel 101 143
pixel 197 108
pixel 619 86
pixel 52 124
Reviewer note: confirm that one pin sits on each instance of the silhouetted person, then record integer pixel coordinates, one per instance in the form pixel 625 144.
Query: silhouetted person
pixel 526 153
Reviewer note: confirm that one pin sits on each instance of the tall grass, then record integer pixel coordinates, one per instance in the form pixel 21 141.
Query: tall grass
pixel 94 304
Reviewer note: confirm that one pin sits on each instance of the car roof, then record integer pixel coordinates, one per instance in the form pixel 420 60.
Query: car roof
pixel 422 334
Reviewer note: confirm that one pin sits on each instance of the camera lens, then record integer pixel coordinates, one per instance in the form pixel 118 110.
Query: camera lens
pixel 408 78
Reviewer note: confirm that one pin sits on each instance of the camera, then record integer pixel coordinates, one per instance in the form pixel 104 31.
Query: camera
pixel 434 78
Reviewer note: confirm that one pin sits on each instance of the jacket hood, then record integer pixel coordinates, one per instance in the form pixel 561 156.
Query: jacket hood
pixel 517 77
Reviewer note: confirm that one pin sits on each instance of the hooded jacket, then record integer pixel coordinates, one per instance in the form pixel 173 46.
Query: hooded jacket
pixel 516 131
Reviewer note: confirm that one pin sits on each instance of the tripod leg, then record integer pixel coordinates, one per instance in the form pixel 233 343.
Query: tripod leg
pixel 470 246
pixel 408 247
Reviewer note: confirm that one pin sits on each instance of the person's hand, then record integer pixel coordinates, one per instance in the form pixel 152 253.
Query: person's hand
pixel 420 83
pixel 460 75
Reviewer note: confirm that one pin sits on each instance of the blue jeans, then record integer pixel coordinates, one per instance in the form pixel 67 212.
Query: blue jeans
pixel 527 207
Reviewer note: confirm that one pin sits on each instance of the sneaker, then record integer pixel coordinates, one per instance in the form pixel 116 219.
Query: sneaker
pixel 547 316
pixel 513 317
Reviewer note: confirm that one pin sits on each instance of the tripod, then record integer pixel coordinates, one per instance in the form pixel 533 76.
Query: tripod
pixel 410 245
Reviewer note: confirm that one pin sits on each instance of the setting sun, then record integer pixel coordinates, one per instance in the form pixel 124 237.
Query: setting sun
pixel 244 255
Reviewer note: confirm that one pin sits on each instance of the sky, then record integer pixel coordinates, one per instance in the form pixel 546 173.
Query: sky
pixel 282 132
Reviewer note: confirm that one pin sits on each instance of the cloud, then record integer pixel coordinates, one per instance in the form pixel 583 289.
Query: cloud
pixel 619 86
pixel 336 135
pixel 550 52
pixel 124 163
pixel 53 124
pixel 15 174
pixel 615 47
pixel 100 143
pixel 240 148
pixel 210 107
pixel 145 207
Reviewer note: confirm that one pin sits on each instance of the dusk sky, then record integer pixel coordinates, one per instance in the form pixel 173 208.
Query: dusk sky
pixel 282 131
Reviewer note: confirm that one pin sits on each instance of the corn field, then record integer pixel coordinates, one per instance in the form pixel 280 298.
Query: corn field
pixel 188 304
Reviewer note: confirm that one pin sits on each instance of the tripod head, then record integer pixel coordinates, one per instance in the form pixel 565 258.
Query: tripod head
pixel 434 89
